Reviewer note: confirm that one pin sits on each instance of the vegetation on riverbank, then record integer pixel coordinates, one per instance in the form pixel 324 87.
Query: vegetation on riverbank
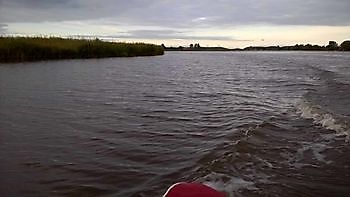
pixel 18 49
pixel 332 46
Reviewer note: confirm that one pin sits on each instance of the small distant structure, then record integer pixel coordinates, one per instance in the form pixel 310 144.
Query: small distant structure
pixel 195 45
pixel 332 45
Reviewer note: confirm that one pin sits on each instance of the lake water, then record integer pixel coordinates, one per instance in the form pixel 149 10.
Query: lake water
pixel 247 123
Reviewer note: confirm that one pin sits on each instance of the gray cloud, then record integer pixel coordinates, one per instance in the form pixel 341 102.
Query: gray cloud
pixel 37 4
pixel 3 28
pixel 159 35
pixel 169 34
pixel 66 10
pixel 181 13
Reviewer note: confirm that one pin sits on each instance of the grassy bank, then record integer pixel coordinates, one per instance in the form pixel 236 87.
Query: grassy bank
pixel 17 49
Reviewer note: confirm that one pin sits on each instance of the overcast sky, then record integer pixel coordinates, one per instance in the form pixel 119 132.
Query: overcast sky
pixel 230 23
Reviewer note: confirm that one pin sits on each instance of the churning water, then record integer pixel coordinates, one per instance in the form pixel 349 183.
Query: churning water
pixel 248 123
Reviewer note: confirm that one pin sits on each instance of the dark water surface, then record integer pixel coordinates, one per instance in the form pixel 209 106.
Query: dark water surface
pixel 250 124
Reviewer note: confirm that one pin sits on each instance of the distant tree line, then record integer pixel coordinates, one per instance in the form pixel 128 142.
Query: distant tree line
pixel 194 47
pixel 17 49
pixel 332 46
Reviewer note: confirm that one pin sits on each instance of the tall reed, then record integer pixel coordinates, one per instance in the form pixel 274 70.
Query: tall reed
pixel 17 49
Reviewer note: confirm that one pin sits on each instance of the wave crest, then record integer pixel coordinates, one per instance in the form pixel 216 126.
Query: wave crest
pixel 324 118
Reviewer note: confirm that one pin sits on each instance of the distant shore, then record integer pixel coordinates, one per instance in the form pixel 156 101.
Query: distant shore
pixel 20 49
pixel 332 46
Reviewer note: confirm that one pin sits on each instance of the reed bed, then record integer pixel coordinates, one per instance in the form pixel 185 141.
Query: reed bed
pixel 18 49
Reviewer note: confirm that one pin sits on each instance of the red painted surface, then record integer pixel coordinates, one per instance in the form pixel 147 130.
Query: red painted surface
pixel 192 190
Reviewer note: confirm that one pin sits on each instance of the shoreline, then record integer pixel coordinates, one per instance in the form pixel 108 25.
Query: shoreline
pixel 332 46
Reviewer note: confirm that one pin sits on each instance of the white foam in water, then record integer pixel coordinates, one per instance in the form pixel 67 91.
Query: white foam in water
pixel 301 160
pixel 324 119
pixel 229 185
pixel 317 149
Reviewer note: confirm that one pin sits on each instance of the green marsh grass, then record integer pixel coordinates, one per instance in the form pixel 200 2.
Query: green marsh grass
pixel 18 49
